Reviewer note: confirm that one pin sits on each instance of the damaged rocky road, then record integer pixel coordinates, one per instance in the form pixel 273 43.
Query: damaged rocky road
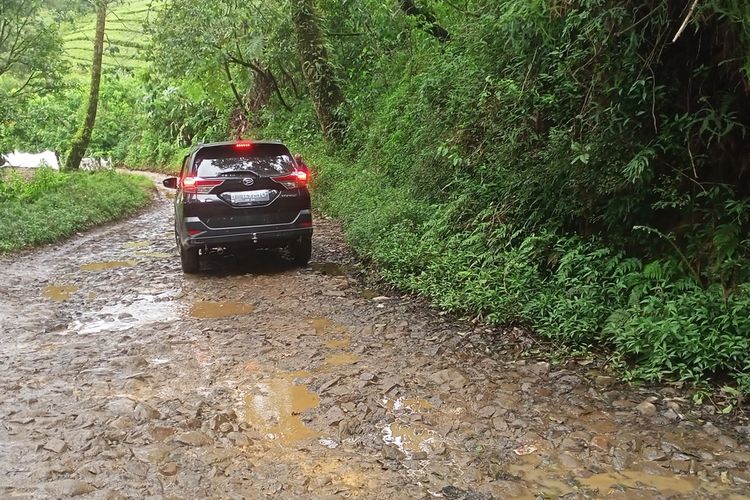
pixel 121 378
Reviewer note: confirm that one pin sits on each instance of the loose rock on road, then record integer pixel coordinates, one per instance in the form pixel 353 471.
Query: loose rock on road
pixel 122 378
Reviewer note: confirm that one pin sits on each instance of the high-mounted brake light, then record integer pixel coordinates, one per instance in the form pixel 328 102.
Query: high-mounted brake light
pixel 197 185
pixel 244 145
pixel 297 179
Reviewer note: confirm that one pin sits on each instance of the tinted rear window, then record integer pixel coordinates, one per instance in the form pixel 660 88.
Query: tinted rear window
pixel 263 160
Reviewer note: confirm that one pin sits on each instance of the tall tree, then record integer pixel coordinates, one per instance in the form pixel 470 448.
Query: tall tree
pixel 30 50
pixel 83 136
pixel 318 71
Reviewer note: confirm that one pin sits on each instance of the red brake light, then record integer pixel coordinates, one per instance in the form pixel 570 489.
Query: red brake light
pixel 244 145
pixel 297 179
pixel 199 186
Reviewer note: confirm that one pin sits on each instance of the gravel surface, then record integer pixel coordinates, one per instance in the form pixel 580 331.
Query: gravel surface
pixel 123 378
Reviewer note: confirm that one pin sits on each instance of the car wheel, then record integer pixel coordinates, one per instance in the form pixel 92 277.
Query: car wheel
pixel 301 250
pixel 190 260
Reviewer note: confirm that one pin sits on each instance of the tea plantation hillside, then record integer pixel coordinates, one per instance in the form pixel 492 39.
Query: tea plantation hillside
pixel 127 36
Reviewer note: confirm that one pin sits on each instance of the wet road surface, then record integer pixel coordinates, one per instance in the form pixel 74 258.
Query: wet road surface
pixel 122 378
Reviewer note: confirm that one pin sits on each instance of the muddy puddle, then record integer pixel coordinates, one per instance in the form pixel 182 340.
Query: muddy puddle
pixel 274 406
pixel 156 255
pixel 341 359
pixel 59 293
pixel 103 266
pixel 550 482
pixel 206 309
pixel 137 244
pixel 330 268
pixel 340 343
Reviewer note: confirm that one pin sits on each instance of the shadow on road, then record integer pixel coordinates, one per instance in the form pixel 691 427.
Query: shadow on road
pixel 246 261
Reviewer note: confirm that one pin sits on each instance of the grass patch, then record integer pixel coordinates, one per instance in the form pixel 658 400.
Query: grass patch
pixel 54 205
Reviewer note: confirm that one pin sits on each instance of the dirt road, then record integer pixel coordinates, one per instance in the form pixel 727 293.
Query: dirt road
pixel 122 378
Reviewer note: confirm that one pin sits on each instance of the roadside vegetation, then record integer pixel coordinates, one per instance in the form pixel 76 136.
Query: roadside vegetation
pixel 577 168
pixel 53 205
pixel 44 87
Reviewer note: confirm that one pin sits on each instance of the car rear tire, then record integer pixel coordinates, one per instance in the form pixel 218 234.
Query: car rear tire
pixel 301 250
pixel 190 260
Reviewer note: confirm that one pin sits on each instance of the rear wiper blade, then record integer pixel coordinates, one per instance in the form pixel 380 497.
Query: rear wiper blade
pixel 234 172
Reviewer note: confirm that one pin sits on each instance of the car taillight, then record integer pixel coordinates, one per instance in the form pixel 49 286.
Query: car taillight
pixel 297 179
pixel 243 145
pixel 199 186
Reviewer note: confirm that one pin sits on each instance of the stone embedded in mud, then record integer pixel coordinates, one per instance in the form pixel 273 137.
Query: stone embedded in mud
pixel 671 415
pixel 193 438
pixel 239 439
pixel 600 442
pixel 711 429
pixel 646 408
pixel 653 454
pixel 169 469
pixel 334 415
pixel 144 411
pixel 152 454
pixel 55 445
pixel 541 368
pixel 68 488
pixel 122 423
pixel 121 406
pixel 393 453
pixel 451 376
pixel 161 433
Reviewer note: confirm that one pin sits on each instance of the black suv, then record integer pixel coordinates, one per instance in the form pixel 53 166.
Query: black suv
pixel 244 193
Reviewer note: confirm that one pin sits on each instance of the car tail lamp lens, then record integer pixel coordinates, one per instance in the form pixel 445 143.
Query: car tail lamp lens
pixel 199 186
pixel 297 179
pixel 194 232
pixel 243 145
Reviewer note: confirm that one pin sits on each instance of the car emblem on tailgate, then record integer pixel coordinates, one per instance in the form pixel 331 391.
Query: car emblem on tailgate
pixel 248 181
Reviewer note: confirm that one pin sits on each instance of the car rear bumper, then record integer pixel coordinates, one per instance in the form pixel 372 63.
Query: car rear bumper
pixel 263 234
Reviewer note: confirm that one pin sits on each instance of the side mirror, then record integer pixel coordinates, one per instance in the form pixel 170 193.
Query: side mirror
pixel 170 182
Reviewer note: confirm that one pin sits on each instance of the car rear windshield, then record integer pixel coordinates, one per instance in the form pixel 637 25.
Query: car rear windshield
pixel 226 161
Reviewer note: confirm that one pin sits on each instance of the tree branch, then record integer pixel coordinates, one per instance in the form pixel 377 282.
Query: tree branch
pixel 685 21
pixel 237 96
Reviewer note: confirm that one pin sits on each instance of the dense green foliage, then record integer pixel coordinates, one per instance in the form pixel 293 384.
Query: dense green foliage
pixel 54 205
pixel 582 168
pixel 564 167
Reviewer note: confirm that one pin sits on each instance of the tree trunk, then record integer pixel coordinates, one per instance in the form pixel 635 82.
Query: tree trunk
pixel 83 135
pixel 319 73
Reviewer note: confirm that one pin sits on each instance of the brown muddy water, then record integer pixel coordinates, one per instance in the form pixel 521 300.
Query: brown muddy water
pixel 122 378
